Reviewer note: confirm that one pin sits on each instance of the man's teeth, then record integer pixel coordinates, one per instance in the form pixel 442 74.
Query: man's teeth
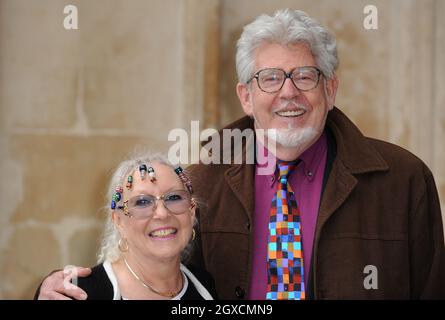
pixel 294 113
pixel 162 233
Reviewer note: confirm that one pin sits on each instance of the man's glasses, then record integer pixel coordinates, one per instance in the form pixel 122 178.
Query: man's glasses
pixel 272 80
pixel 143 206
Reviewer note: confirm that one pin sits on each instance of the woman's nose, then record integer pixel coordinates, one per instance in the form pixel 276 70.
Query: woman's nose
pixel 160 211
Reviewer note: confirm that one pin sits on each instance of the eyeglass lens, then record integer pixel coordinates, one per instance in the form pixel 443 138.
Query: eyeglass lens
pixel 143 206
pixel 272 80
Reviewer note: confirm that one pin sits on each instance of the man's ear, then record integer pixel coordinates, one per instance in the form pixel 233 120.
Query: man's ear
pixel 331 91
pixel 244 96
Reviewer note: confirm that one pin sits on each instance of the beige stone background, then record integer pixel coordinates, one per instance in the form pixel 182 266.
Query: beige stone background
pixel 73 103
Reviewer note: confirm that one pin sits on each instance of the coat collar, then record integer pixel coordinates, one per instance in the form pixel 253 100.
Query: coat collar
pixel 353 148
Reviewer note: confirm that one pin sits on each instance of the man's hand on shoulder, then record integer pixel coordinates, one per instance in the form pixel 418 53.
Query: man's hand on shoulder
pixel 58 286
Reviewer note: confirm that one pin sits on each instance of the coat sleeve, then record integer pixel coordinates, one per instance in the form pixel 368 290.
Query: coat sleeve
pixel 426 243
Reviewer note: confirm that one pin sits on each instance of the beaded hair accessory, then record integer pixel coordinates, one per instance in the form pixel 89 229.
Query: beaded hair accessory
pixel 117 196
pixel 129 182
pixel 185 180
pixel 151 172
pixel 142 171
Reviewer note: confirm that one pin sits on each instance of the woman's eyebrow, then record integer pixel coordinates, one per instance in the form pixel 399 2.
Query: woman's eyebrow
pixel 143 192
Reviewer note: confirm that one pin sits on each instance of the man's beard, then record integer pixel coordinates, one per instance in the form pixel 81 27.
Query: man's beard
pixel 293 137
pixel 290 137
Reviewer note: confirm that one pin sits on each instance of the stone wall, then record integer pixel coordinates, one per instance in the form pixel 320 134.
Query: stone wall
pixel 74 103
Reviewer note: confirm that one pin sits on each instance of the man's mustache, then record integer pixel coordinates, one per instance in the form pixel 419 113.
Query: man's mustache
pixel 286 104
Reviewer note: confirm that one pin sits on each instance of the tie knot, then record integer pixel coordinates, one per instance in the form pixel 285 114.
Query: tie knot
pixel 286 167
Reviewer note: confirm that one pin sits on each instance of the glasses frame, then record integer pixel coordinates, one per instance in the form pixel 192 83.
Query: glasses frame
pixel 287 75
pixel 127 212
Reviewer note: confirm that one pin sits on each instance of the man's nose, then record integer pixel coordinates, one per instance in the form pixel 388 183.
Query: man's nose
pixel 289 90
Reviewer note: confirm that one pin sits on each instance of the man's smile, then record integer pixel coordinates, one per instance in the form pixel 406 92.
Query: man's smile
pixel 290 113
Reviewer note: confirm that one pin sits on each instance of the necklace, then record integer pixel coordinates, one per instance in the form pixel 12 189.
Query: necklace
pixel 169 294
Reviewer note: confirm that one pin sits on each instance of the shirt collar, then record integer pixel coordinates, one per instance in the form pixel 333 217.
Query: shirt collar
pixel 310 158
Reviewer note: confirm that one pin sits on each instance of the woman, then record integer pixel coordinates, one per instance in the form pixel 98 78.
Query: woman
pixel 149 230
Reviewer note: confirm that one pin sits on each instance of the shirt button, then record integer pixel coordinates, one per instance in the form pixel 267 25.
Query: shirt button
pixel 310 175
pixel 240 292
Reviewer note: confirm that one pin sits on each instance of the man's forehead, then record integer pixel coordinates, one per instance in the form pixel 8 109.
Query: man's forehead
pixel 270 52
pixel 291 46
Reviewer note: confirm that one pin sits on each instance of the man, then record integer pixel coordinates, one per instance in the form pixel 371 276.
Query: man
pixel 347 217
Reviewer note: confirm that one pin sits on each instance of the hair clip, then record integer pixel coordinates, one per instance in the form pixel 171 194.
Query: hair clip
pixel 143 171
pixel 185 180
pixel 151 174
pixel 129 182
pixel 117 196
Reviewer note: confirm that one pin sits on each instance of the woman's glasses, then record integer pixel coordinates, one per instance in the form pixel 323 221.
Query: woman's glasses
pixel 143 206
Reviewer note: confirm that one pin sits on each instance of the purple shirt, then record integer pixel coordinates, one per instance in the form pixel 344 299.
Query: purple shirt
pixel 306 182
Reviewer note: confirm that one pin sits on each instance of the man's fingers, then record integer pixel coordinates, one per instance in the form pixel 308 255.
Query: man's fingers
pixel 58 285
pixel 72 272
pixel 73 292
pixel 54 296
pixel 83 272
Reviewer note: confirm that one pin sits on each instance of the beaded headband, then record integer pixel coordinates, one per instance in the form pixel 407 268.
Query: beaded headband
pixel 117 196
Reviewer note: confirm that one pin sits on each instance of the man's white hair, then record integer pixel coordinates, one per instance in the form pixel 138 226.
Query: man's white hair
pixel 285 27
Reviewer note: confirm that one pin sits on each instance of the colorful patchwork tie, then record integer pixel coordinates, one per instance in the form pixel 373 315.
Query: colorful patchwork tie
pixel 285 268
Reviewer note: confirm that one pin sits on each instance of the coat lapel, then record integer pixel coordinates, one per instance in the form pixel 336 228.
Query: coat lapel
pixel 338 188
pixel 354 155
pixel 241 178
pixel 240 174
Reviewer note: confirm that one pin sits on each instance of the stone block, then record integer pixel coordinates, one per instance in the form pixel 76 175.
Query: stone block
pixel 83 246
pixel 65 176
pixel 30 254
pixel 38 61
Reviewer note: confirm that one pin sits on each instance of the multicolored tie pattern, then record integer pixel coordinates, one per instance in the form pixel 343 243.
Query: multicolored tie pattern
pixel 285 268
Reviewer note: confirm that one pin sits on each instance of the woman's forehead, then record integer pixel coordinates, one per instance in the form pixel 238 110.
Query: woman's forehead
pixel 165 179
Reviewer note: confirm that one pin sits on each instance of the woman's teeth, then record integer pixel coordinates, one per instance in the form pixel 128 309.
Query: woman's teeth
pixel 162 232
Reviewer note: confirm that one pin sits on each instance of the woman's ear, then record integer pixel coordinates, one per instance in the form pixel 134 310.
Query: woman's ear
pixel 117 220
pixel 193 209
